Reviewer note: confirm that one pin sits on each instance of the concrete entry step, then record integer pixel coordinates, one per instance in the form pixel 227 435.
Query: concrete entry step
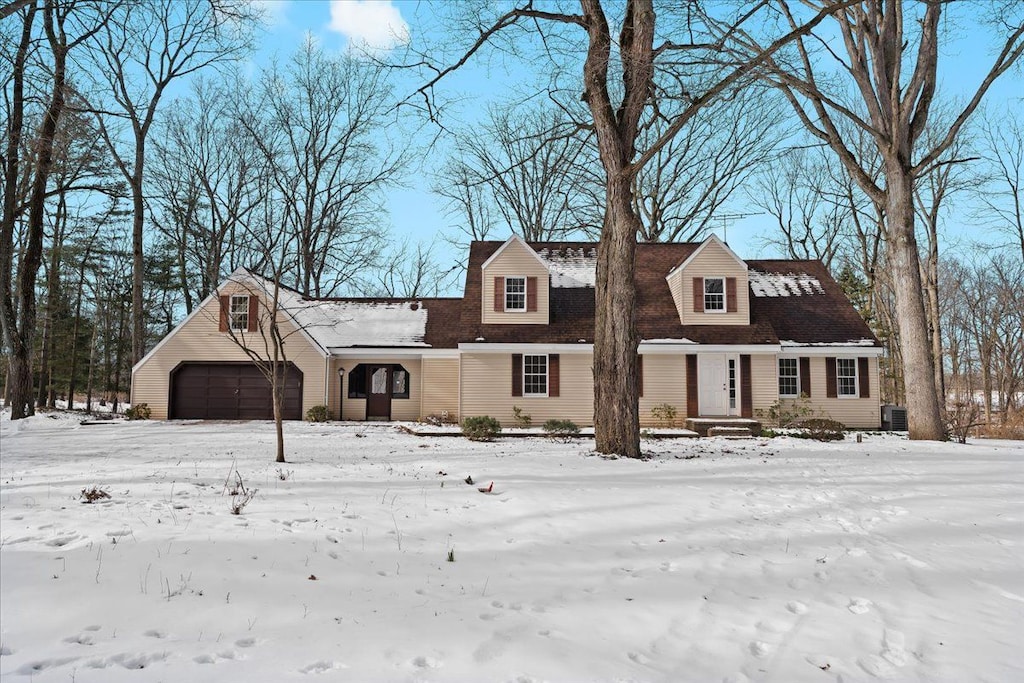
pixel 724 426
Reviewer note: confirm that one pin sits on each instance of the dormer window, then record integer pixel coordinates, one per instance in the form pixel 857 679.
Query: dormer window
pixel 714 294
pixel 515 293
pixel 239 315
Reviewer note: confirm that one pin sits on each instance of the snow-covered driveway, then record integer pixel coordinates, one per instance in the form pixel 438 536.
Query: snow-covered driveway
pixel 765 560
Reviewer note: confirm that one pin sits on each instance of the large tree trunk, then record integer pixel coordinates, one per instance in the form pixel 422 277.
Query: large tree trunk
pixel 923 415
pixel 616 406
pixel 16 392
pixel 138 264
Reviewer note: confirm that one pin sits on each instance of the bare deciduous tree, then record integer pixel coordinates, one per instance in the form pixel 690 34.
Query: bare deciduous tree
pixel 1002 146
pixel 149 45
pixel 894 107
pixel 320 123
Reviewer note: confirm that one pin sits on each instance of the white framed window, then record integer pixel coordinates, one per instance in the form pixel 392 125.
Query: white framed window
pixel 515 293
pixel 239 312
pixel 732 384
pixel 846 377
pixel 789 377
pixel 714 295
pixel 535 375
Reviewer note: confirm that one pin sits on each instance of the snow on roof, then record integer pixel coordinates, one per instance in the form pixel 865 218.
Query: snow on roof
pixel 571 267
pixel 777 284
pixel 851 342
pixel 360 323
pixel 683 340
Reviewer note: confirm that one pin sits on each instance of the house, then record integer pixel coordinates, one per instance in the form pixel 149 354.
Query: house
pixel 720 336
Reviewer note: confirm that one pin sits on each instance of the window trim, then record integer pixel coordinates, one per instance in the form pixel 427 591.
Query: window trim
pixel 547 375
pixel 795 376
pixel 508 279
pixel 855 377
pixel 235 316
pixel 724 295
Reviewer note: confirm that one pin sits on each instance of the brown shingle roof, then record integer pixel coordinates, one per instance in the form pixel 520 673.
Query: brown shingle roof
pixel 819 319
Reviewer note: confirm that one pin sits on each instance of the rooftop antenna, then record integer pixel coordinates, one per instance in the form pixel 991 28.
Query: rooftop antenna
pixel 727 218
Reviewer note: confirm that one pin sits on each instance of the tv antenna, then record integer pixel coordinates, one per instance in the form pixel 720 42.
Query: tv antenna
pixel 727 219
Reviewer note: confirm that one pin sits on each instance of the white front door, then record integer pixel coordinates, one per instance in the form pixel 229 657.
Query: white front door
pixel 713 384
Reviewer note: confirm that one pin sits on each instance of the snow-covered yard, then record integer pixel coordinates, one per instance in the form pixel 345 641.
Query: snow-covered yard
pixel 780 560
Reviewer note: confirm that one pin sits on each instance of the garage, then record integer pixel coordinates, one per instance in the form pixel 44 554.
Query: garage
pixel 230 391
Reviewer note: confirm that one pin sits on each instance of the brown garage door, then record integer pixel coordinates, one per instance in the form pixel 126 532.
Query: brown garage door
pixel 230 391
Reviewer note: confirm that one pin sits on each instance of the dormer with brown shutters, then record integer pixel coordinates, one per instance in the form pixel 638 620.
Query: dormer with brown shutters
pixel 710 287
pixel 239 312
pixel 515 286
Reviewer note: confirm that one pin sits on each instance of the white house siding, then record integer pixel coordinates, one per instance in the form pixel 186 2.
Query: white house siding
pixel 440 387
pixel 402 409
pixel 664 382
pixel 712 261
pixel 487 390
pixel 199 339
pixel 516 260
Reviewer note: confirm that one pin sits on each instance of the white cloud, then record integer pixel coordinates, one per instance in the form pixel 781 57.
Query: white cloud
pixel 373 24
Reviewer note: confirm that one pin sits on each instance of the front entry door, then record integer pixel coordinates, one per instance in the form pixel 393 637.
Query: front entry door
pixel 713 380
pixel 378 398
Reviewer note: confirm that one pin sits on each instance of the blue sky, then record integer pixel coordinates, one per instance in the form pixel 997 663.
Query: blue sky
pixel 417 213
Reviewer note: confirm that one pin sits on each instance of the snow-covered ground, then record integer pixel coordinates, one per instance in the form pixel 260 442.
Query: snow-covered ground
pixel 781 560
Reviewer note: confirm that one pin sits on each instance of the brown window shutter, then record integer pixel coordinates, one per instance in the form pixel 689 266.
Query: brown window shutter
pixel 805 376
pixel 746 395
pixel 517 374
pixel 862 378
pixel 499 294
pixel 691 384
pixel 698 295
pixel 254 312
pixel 553 379
pixel 640 375
pixel 225 304
pixel 830 378
pixel 531 294
pixel 730 295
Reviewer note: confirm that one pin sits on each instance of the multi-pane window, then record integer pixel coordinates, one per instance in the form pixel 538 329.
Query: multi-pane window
pixel 239 312
pixel 535 375
pixel 714 294
pixel 732 383
pixel 846 376
pixel 515 293
pixel 789 377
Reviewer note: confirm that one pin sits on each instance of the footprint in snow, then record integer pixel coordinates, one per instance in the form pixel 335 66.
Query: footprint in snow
pixel 876 666
pixel 320 667
pixel 796 607
pixel 859 605
pixel 424 662
pixel 245 642
pixel 81 639
pixel 32 668
pixel 893 652
pixel 155 633
pixel 759 648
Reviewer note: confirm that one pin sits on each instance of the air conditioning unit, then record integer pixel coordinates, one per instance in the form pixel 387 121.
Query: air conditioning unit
pixel 894 418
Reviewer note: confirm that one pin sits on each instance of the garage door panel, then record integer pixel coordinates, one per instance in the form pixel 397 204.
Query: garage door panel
pixel 230 391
